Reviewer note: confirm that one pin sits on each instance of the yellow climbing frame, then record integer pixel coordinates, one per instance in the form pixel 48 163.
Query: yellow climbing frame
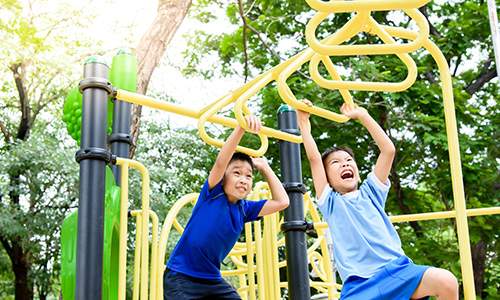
pixel 318 52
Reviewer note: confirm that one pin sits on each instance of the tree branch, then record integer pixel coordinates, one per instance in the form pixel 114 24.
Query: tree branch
pixel 457 64
pixel 266 45
pixel 487 75
pixel 5 132
pixel 150 50
pixel 432 29
pixel 24 125
pixel 6 245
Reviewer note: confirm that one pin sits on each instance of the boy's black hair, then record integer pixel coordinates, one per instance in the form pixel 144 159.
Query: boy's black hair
pixel 242 157
pixel 335 149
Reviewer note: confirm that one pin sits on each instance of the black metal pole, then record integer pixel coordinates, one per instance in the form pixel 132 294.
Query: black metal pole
pixel 93 157
pixel 120 136
pixel 294 225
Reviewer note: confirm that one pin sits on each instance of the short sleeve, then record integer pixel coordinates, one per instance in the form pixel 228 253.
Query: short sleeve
pixel 378 189
pixel 324 202
pixel 252 209
pixel 207 193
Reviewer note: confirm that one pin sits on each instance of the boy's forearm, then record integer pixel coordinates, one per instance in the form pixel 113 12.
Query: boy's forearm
pixel 310 146
pixel 383 142
pixel 277 191
pixel 314 157
pixel 230 145
pixel 224 156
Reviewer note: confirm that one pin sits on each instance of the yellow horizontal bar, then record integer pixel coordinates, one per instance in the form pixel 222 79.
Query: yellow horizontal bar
pixel 444 215
pixel 191 113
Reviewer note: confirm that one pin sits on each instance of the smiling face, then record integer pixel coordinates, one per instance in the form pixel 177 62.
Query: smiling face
pixel 238 180
pixel 341 171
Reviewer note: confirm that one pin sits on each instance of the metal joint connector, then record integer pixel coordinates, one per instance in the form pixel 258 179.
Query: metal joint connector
pixel 95 82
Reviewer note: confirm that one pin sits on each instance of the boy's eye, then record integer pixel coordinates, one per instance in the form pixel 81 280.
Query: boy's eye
pixel 236 173
pixel 334 162
pixel 349 159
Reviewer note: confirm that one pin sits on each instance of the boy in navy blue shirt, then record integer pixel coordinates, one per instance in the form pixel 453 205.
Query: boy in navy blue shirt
pixel 367 248
pixel 193 270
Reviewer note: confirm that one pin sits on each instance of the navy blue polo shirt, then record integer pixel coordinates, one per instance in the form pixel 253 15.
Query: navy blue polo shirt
pixel 211 232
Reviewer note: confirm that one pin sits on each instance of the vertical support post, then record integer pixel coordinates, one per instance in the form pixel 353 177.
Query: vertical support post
pixel 294 224
pixel 123 75
pixel 120 136
pixel 93 157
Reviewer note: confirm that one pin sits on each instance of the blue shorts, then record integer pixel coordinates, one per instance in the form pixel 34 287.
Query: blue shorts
pixel 177 286
pixel 397 280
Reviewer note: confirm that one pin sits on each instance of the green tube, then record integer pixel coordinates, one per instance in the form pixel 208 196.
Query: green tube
pixel 123 73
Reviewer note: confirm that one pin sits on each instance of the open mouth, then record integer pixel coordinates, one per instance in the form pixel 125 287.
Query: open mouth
pixel 347 174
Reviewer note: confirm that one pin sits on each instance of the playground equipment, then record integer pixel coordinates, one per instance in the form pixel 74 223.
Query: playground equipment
pixel 255 280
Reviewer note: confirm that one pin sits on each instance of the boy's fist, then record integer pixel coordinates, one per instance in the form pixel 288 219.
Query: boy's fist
pixel 260 163
pixel 253 123
pixel 354 112
pixel 303 116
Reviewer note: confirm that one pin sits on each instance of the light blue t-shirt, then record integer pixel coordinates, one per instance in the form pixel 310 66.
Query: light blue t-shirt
pixel 211 232
pixel 364 239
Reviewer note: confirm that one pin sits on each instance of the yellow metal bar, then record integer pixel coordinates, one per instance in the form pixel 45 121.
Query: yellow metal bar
pixel 167 225
pixel 370 49
pixel 274 255
pixel 211 112
pixel 259 260
pixel 250 263
pixel 137 256
pixel 367 86
pixel 144 244
pixel 122 251
pixel 154 254
pixel 286 93
pixel 444 215
pixel 143 100
pixel 356 5
pixel 483 211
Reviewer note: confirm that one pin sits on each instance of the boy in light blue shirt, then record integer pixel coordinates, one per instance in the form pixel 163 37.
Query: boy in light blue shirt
pixel 367 248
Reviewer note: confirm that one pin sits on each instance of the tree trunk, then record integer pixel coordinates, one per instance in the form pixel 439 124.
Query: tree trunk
pixel 478 264
pixel 13 245
pixel 150 50
pixel 24 288
pixel 21 267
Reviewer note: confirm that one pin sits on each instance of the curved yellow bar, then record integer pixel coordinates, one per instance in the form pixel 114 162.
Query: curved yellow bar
pixel 143 226
pixel 203 134
pixel 371 49
pixel 365 86
pixel 286 94
pixel 165 231
pixel 355 5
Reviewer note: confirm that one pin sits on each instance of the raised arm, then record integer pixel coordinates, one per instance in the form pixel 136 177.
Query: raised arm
pixel 387 150
pixel 227 150
pixel 320 180
pixel 279 199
